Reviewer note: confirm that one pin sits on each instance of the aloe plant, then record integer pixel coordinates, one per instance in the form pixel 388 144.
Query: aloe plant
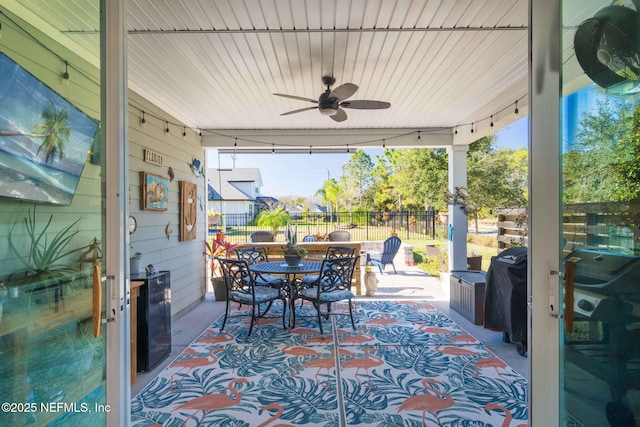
pixel 44 260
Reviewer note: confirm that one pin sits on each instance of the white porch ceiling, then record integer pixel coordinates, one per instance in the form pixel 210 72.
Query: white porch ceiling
pixel 215 64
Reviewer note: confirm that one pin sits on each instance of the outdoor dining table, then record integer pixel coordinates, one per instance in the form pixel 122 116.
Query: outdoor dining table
pixel 282 268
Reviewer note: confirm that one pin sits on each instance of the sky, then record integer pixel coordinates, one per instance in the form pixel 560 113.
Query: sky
pixel 303 174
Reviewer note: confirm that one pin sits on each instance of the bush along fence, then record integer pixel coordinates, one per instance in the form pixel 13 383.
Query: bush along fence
pixel 361 225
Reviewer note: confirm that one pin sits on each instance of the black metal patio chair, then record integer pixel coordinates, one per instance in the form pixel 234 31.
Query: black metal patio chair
pixel 242 288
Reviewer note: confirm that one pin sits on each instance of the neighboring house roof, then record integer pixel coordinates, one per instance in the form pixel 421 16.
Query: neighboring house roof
pixel 212 194
pixel 267 200
pixel 225 182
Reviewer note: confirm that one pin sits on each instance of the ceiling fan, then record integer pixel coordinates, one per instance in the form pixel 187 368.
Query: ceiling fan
pixel 331 102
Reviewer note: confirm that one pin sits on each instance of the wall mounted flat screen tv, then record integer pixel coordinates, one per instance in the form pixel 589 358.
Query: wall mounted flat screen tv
pixel 44 139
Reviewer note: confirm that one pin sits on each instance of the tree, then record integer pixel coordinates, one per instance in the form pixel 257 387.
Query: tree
pixel 274 219
pixel 330 193
pixel 56 131
pixel 357 174
pixel 598 164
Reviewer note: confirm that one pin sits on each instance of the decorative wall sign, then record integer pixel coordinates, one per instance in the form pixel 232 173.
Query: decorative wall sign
pixel 154 192
pixel 153 157
pixel 188 210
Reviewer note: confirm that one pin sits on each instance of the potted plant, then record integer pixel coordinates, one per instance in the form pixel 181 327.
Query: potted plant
pixel 219 247
pixel 292 253
pixel 370 280
pixel 213 216
pixel 44 263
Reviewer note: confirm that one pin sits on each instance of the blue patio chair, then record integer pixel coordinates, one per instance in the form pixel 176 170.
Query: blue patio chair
pixel 389 250
pixel 242 288
pixel 332 285
pixel 309 238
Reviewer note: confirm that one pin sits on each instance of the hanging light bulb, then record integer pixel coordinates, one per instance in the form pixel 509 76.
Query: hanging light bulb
pixel 471 127
pixel 199 132
pixel 384 145
pixel 166 129
pixel 347 148
pixel 456 131
pixel 65 75
pixel 273 148
pixel 235 142
pixel 309 149
pixel 184 131
pixel 418 135
pixel 516 112
pixel 491 124
pixel 143 121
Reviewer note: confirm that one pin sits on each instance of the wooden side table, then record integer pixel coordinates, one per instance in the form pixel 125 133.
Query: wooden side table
pixel 135 292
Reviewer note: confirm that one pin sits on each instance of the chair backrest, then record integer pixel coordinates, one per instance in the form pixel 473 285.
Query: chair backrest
pixel 390 248
pixel 263 236
pixel 252 254
pixel 336 273
pixel 237 275
pixel 339 251
pixel 339 236
pixel 309 238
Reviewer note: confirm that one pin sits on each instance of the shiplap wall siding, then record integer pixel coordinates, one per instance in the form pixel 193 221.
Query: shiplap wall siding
pixel 184 259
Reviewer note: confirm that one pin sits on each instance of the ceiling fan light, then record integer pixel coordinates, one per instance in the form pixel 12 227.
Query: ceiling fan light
pixel 328 111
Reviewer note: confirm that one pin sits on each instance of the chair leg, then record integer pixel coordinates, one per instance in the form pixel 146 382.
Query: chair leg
pixel 226 314
pixel 351 315
pixel 317 305
pixel 284 313
pixel 253 319
pixel 394 268
pixel 380 267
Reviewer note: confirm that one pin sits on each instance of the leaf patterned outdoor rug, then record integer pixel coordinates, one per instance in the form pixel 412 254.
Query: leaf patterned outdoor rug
pixel 406 365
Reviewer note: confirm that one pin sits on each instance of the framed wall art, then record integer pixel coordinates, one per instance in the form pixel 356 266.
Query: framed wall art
pixel 188 210
pixel 154 192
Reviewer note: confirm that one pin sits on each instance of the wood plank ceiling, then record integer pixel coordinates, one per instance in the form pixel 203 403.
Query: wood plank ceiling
pixel 215 64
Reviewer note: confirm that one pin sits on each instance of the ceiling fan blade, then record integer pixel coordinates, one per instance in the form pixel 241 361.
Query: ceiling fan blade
pixel 364 104
pixel 299 98
pixel 298 111
pixel 343 91
pixel 340 116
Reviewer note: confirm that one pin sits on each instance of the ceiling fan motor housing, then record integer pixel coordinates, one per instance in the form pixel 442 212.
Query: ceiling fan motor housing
pixel 607 47
pixel 328 106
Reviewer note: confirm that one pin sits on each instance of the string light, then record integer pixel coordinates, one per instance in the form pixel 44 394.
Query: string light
pixel 143 121
pixel 65 75
pixel 347 148
pixel 384 145
pixel 273 148
pixel 166 129
pixel 184 131
pixel 418 135
pixel 199 132
pixel 309 149
pixel 491 121
pixel 456 131
pixel 471 127
pixel 516 112
pixel 235 142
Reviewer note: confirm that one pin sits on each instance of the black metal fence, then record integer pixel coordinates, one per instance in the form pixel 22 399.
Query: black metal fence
pixel 362 225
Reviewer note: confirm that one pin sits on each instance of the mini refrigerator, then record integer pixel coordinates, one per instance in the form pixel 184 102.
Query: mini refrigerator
pixel 154 319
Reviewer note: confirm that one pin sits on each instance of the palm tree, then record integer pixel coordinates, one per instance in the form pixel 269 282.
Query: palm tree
pixel 330 192
pixel 274 219
pixel 56 131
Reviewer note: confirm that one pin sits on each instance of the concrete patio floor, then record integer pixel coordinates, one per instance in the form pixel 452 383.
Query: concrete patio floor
pixel 409 283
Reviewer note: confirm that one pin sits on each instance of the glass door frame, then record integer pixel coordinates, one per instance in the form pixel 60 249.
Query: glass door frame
pixel 115 133
pixel 544 211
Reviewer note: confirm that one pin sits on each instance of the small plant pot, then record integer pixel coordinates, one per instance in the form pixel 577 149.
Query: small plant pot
pixel 293 260
pixel 219 288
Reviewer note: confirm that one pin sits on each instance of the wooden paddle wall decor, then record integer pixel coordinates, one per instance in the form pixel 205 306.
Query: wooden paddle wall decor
pixel 188 211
